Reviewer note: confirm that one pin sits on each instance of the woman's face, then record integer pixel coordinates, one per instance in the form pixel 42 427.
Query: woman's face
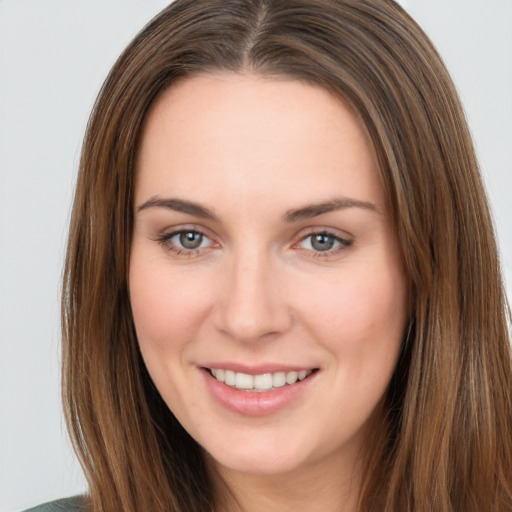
pixel 263 256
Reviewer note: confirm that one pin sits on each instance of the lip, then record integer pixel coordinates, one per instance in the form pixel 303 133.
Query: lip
pixel 261 403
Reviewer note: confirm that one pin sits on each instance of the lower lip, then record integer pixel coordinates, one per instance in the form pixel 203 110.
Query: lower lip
pixel 255 403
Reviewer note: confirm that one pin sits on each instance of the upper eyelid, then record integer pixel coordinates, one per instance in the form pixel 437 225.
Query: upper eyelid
pixel 317 230
pixel 169 232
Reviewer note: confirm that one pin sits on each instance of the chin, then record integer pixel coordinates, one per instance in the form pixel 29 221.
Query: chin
pixel 258 463
pixel 257 457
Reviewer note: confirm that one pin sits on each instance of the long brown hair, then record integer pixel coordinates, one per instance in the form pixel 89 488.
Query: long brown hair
pixel 445 443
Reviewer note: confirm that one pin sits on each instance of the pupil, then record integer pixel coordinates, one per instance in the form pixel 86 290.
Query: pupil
pixel 322 242
pixel 191 240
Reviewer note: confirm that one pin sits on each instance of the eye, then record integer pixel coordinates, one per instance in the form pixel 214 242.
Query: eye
pixel 323 242
pixel 186 242
pixel 188 239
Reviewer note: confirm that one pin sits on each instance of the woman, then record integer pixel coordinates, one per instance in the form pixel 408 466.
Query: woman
pixel 282 285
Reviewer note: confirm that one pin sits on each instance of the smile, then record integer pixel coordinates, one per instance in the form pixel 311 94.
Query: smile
pixel 260 382
pixel 257 391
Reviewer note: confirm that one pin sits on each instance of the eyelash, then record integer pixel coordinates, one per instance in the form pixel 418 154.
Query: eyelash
pixel 165 238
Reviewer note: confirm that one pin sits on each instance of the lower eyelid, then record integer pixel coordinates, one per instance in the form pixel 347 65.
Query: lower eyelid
pixel 336 252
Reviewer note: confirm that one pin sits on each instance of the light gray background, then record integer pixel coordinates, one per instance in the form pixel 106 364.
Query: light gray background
pixel 54 56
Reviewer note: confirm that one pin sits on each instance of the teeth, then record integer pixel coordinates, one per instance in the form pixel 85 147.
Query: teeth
pixel 244 381
pixel 229 378
pixel 291 377
pixel 278 379
pixel 263 382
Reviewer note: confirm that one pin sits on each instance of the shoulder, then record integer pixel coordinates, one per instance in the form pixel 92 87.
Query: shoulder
pixel 74 504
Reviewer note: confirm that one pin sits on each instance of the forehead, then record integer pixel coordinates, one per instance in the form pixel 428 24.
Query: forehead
pixel 229 135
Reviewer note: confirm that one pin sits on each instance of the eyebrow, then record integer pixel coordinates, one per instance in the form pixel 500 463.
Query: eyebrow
pixel 314 210
pixel 179 205
pixel 306 212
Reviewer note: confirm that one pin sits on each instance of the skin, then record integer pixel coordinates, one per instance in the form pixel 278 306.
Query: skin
pixel 250 150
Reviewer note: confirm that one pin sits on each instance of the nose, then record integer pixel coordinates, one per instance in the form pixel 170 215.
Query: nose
pixel 253 303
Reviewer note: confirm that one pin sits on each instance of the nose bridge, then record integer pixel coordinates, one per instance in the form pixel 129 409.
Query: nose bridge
pixel 253 304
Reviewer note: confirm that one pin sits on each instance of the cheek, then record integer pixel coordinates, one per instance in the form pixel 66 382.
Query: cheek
pixel 360 319
pixel 360 322
pixel 167 308
pixel 361 302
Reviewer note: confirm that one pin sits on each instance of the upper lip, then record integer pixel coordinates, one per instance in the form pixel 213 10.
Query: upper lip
pixel 257 369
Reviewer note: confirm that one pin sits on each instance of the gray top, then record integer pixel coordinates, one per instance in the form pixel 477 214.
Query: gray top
pixel 74 504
